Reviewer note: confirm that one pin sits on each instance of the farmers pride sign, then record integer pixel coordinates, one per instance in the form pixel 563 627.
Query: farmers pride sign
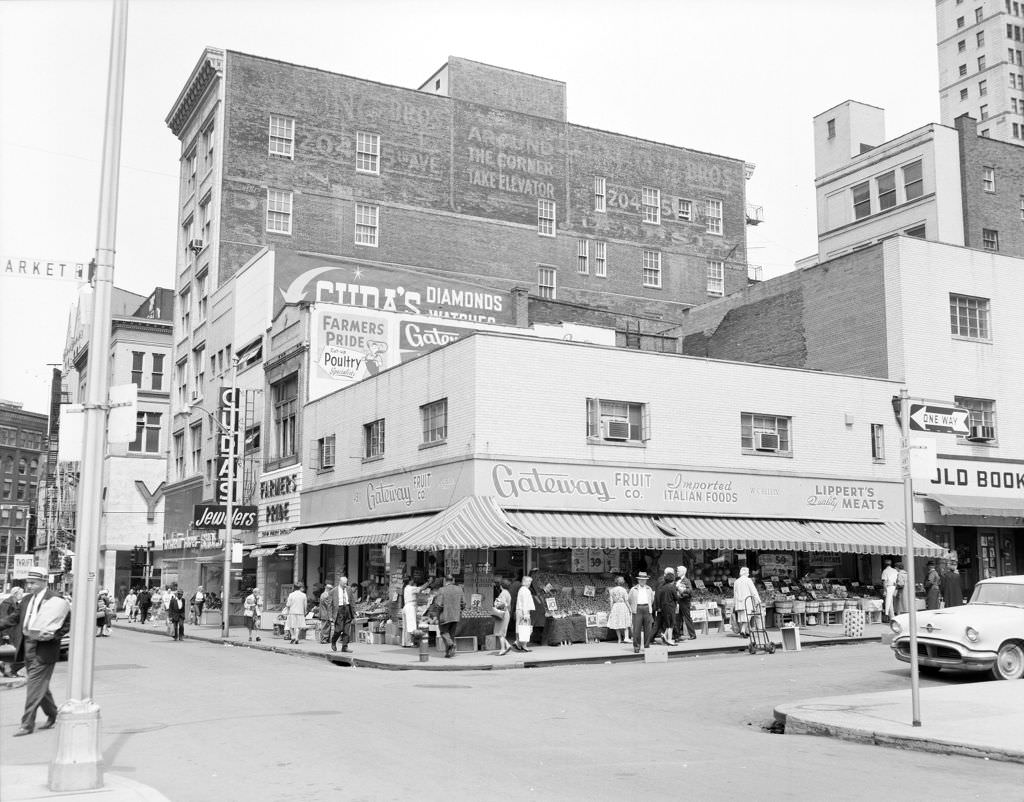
pixel 385 289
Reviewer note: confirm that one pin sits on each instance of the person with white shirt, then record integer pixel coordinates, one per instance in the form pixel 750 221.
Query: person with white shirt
pixel 889 575
pixel 641 602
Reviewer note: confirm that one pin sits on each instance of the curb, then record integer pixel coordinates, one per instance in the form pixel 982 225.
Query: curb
pixel 354 661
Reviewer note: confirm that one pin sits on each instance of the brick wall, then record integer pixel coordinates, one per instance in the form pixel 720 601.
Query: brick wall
pixel 999 210
pixel 506 89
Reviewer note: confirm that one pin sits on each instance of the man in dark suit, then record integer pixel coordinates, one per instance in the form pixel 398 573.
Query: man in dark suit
pixel 338 608
pixel 176 615
pixel 39 650
pixel 451 601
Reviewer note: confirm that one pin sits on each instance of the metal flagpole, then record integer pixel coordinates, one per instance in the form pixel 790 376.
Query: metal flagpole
pixel 910 591
pixel 78 763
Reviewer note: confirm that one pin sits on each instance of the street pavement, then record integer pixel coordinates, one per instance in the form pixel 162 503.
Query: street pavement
pixel 197 719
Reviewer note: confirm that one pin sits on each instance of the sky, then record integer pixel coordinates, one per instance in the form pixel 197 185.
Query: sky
pixel 741 78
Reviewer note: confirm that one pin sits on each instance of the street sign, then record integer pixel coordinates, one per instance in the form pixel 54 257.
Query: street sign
pixel 934 418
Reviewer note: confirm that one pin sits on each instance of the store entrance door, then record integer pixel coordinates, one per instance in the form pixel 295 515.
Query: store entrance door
pixel 965 543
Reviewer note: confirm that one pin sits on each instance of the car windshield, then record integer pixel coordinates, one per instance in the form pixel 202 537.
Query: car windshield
pixel 998 593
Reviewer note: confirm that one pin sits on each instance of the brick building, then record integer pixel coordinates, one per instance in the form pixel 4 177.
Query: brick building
pixel 945 320
pixel 470 198
pixel 23 445
pixel 940 183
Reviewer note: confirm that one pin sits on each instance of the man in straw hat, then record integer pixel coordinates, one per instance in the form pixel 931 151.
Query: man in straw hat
pixel 42 619
pixel 641 602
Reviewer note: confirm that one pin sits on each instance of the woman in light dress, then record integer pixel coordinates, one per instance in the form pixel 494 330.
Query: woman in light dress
pixel 524 620
pixel 501 605
pixel 409 608
pixel 295 610
pixel 619 617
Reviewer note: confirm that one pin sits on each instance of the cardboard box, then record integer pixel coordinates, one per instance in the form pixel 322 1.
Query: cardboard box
pixel 466 643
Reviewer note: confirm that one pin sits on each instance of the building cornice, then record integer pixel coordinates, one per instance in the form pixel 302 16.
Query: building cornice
pixel 208 69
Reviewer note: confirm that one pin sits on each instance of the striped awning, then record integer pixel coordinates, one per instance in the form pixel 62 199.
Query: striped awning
pixel 582 530
pixel 474 522
pixel 356 533
pixel 989 506
pixel 766 534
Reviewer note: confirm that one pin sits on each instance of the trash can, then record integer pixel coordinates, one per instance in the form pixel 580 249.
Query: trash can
pixel 790 638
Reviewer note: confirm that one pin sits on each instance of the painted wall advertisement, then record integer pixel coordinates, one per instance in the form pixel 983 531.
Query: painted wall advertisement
pixel 278 505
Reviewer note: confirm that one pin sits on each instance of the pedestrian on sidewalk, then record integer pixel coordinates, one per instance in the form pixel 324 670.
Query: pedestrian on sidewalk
pixel 103 615
pixel 176 616
pixel 932 589
pixel 618 616
pixel 410 597
pixel 341 613
pixel 251 609
pixel 889 576
pixel 38 624
pixel 452 601
pixel 131 603
pixel 541 613
pixel 743 590
pixel 501 605
pixel 323 614
pixel 641 603
pixel 952 587
pixel 145 602
pixel 666 603
pixel 197 601
pixel 524 616
pixel 8 620
pixel 684 623
pixel 295 609
pixel 904 595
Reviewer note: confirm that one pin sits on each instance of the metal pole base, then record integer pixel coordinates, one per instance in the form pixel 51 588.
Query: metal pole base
pixel 78 764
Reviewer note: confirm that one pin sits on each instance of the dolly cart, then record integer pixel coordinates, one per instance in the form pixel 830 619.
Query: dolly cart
pixel 755 627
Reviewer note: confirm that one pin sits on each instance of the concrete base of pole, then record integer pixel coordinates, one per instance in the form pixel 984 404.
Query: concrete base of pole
pixel 78 764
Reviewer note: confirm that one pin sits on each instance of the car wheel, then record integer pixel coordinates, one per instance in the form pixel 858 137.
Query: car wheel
pixel 1009 662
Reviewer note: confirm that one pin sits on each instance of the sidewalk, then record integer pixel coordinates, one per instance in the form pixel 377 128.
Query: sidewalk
pixel 23 783
pixel 397 658
pixel 979 719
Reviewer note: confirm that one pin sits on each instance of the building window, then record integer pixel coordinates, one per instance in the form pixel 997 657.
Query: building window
pixel 1022 207
pixel 969 317
pixel 990 239
pixel 282 136
pixel 22 467
pixel 599 194
pixel 326 451
pixel 546 218
pixel 181 379
pixel 434 417
pixel 983 112
pixel 8 488
pixel 279 211
pixel 716 278
pixel 367 229
pixel 988 179
pixel 765 434
pixel 959 22
pixel 198 371
pixel 137 358
pixel 208 143
pixel 617 421
pixel 861 201
pixel 285 394
pixel 963 94
pixel 963 70
pixel 601 250
pixel 185 311
pixel 367 153
pixel 147 433
pixel 961 46
pixel 652 268
pixel 195 435
pixel 546 282
pixel 203 293
pixel 205 220
pixel 980 38
pixel 373 439
pixel 583 257
pixel 714 217
pixel 918 232
pixel 20 492
pixel 650 202
pixel 188 235
pixel 830 127
pixel 886 186
pixel 684 210
pixel 982 88
pixel 179 454
pixel 981 413
pixel 191 168
pixel 978 15
pixel 877 442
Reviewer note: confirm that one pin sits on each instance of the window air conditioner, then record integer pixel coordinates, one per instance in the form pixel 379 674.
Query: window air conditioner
pixel 615 428
pixel 766 441
pixel 982 434
pixel 195 245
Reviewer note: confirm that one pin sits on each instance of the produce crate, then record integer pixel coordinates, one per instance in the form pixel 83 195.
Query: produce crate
pixel 465 643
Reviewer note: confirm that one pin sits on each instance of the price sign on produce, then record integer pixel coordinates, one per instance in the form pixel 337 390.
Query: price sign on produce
pixel 699 583
pixel 552 605
pixel 589 590
pixel 784 588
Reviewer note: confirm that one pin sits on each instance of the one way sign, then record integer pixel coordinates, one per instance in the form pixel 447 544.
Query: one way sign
pixel 929 418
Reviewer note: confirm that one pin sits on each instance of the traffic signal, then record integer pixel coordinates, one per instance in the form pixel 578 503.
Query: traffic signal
pixel 67 564
pixel 138 556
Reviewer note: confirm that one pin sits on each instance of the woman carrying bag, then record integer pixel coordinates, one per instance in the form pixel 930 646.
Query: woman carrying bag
pixel 500 615
pixel 524 619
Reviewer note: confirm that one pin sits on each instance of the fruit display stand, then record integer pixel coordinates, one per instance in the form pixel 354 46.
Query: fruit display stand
pixel 578 607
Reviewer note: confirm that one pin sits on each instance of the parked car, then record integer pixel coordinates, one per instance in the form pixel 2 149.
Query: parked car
pixel 986 634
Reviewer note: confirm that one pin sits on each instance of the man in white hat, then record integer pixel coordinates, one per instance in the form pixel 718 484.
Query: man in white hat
pixel 37 641
pixel 641 602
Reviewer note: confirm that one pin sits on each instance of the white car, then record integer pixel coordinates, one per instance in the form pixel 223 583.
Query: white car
pixel 986 634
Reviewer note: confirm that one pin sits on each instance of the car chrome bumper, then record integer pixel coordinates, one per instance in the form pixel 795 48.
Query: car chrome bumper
pixel 943 654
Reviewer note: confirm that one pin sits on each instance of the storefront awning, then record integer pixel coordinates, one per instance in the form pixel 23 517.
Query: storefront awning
pixel 582 530
pixel 357 533
pixel 262 551
pixel 764 534
pixel 987 506
pixel 474 522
